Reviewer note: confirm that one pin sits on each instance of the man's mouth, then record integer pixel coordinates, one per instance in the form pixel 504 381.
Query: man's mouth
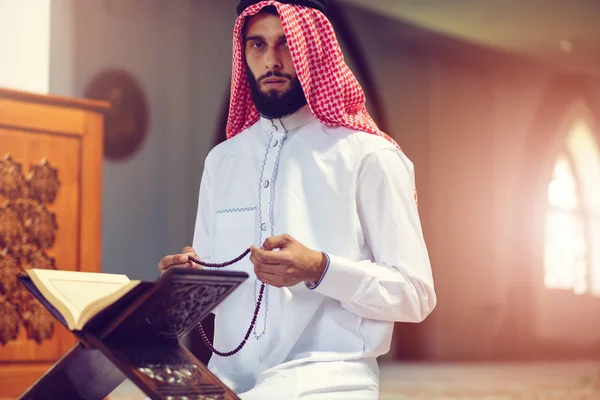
pixel 273 81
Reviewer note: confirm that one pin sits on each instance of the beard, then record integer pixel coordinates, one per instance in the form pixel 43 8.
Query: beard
pixel 274 104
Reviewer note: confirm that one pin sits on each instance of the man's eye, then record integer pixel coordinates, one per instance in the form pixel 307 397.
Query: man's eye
pixel 257 45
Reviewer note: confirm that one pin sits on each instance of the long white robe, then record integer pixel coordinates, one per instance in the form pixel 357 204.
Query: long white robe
pixel 347 193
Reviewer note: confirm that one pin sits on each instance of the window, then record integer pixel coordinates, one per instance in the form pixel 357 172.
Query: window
pixel 572 225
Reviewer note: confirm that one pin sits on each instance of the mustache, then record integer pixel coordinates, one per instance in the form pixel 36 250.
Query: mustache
pixel 274 74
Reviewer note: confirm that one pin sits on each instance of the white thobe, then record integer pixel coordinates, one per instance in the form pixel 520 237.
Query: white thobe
pixel 349 194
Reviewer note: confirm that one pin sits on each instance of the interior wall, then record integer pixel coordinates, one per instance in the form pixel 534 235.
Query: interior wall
pixel 129 37
pixel 25 45
pixel 149 199
pixel 62 48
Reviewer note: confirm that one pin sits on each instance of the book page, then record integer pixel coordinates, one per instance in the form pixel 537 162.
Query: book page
pixel 75 290
pixel 81 293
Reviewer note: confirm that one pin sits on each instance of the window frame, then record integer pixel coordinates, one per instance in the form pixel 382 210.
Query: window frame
pixel 578 109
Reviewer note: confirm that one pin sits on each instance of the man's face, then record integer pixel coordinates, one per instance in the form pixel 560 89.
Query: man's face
pixel 276 90
pixel 268 55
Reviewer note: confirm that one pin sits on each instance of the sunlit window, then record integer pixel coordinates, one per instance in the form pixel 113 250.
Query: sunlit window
pixel 565 249
pixel 572 228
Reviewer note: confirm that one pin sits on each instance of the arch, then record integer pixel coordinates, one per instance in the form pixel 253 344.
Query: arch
pixel 567 98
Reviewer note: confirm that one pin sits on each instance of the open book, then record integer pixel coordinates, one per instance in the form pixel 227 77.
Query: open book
pixel 79 296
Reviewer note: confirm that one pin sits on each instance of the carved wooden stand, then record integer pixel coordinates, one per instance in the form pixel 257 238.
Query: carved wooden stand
pixel 138 338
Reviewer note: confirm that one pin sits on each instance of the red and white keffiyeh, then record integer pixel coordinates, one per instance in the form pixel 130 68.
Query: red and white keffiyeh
pixel 334 95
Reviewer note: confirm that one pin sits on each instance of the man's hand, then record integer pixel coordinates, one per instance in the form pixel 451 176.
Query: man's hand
pixel 178 260
pixel 292 264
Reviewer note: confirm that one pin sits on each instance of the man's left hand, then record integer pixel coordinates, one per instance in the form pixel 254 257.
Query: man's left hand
pixel 292 264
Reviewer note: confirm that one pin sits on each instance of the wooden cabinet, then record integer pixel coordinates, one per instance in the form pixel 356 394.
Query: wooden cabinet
pixel 50 217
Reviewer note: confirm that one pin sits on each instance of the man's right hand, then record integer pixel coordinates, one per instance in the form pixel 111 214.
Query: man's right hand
pixel 178 260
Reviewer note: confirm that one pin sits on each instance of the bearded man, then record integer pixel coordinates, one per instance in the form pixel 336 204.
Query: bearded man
pixel 325 201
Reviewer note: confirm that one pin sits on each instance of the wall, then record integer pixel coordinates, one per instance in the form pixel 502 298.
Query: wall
pixel 130 37
pixel 211 76
pixel 25 45
pixel 149 200
pixel 62 48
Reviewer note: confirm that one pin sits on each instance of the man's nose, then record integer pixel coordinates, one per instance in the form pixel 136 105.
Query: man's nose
pixel 273 60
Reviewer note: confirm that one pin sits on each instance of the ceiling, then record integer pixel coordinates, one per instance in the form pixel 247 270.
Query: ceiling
pixel 566 32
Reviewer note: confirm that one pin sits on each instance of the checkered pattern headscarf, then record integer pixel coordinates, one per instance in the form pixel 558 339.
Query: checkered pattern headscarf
pixel 332 91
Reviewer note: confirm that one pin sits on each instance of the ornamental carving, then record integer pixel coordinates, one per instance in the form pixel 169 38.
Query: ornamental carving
pixel 39 259
pixel 25 208
pixel 43 182
pixel 12 181
pixel 38 322
pixel 173 372
pixel 10 266
pixel 178 308
pixel 27 231
pixel 42 227
pixel 11 227
pixel 9 321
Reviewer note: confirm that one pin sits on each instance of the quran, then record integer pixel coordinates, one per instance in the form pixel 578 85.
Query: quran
pixel 79 296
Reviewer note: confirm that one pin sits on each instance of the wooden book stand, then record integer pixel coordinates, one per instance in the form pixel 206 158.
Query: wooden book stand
pixel 138 337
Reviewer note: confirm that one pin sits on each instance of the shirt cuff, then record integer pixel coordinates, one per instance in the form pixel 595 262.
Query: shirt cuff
pixel 313 286
pixel 341 280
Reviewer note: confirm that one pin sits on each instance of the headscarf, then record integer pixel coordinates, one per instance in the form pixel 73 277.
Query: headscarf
pixel 332 91
pixel 320 5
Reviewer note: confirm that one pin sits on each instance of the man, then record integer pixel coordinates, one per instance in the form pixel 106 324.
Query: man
pixel 325 201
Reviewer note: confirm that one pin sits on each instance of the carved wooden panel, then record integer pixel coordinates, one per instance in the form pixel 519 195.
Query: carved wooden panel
pixel 170 370
pixel 38 228
pixel 50 185
pixel 27 231
pixel 176 309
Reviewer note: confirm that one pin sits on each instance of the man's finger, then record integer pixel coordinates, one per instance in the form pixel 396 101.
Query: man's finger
pixel 269 257
pixel 275 269
pixel 188 250
pixel 269 279
pixel 261 272
pixel 254 260
pixel 191 255
pixel 169 261
pixel 276 242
